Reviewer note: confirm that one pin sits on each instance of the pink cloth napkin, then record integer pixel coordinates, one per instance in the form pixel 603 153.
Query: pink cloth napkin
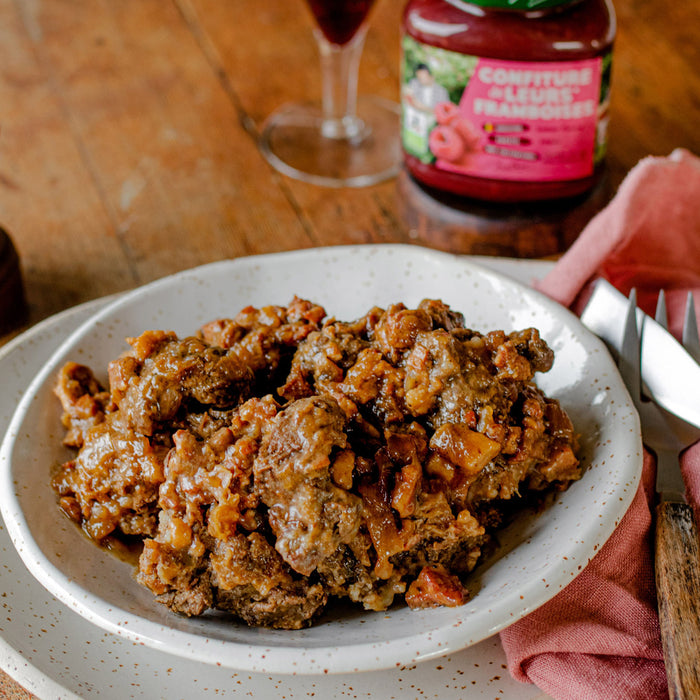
pixel 599 637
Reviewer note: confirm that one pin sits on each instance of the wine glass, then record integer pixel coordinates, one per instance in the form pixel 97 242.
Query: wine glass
pixel 346 140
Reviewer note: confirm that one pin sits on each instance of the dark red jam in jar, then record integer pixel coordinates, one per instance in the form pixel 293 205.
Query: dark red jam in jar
pixel 506 100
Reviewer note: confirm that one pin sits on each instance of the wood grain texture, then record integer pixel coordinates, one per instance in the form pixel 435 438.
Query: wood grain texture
pixel 678 586
pixel 128 142
pixel 128 138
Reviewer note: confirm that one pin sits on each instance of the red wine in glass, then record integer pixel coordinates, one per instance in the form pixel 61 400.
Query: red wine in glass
pixel 345 140
pixel 339 20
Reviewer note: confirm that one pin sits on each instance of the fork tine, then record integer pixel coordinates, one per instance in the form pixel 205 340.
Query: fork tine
pixel 661 316
pixel 630 359
pixel 691 338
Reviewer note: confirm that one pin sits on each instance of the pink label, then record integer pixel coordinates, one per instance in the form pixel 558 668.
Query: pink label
pixel 522 121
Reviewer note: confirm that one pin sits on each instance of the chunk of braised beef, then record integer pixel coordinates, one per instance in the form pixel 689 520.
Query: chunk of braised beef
pixel 252 581
pixel 85 403
pixel 179 579
pixel 265 339
pixel 397 329
pixel 206 499
pixel 442 315
pixel 112 484
pixel 177 376
pixel 309 515
pixel 530 345
pixel 321 360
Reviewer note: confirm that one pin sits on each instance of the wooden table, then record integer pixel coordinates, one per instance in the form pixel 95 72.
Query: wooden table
pixel 128 136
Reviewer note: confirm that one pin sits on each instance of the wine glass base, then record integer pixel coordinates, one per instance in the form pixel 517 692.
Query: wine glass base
pixel 293 143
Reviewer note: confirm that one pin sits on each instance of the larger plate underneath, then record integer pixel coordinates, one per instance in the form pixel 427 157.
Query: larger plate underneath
pixel 540 554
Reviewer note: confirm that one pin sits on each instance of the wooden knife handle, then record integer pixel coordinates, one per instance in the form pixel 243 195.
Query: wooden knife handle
pixel 678 590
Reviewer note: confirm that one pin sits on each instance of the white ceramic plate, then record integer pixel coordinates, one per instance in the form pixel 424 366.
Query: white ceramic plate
pixel 59 655
pixel 539 554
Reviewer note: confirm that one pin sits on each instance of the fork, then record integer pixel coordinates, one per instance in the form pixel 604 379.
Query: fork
pixel 677 551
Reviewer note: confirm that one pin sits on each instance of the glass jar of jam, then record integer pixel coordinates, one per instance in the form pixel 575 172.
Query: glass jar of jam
pixel 506 100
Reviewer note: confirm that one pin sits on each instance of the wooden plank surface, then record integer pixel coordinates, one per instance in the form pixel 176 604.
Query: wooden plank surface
pixel 128 135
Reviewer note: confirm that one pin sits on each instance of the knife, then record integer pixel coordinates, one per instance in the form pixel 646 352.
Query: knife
pixel 668 369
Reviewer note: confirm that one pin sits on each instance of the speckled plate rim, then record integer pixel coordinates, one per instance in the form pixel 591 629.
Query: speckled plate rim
pixel 429 641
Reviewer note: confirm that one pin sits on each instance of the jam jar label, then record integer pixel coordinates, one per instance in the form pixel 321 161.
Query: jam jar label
pixel 506 120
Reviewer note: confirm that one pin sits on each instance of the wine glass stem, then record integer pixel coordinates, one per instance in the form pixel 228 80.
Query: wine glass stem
pixel 339 70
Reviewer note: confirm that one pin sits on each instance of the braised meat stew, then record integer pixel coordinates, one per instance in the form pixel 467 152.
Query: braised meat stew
pixel 282 458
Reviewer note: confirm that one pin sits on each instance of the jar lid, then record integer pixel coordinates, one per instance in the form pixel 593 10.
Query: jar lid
pixel 519 4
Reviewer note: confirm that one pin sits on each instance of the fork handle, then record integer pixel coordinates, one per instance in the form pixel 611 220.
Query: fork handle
pixel 678 588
